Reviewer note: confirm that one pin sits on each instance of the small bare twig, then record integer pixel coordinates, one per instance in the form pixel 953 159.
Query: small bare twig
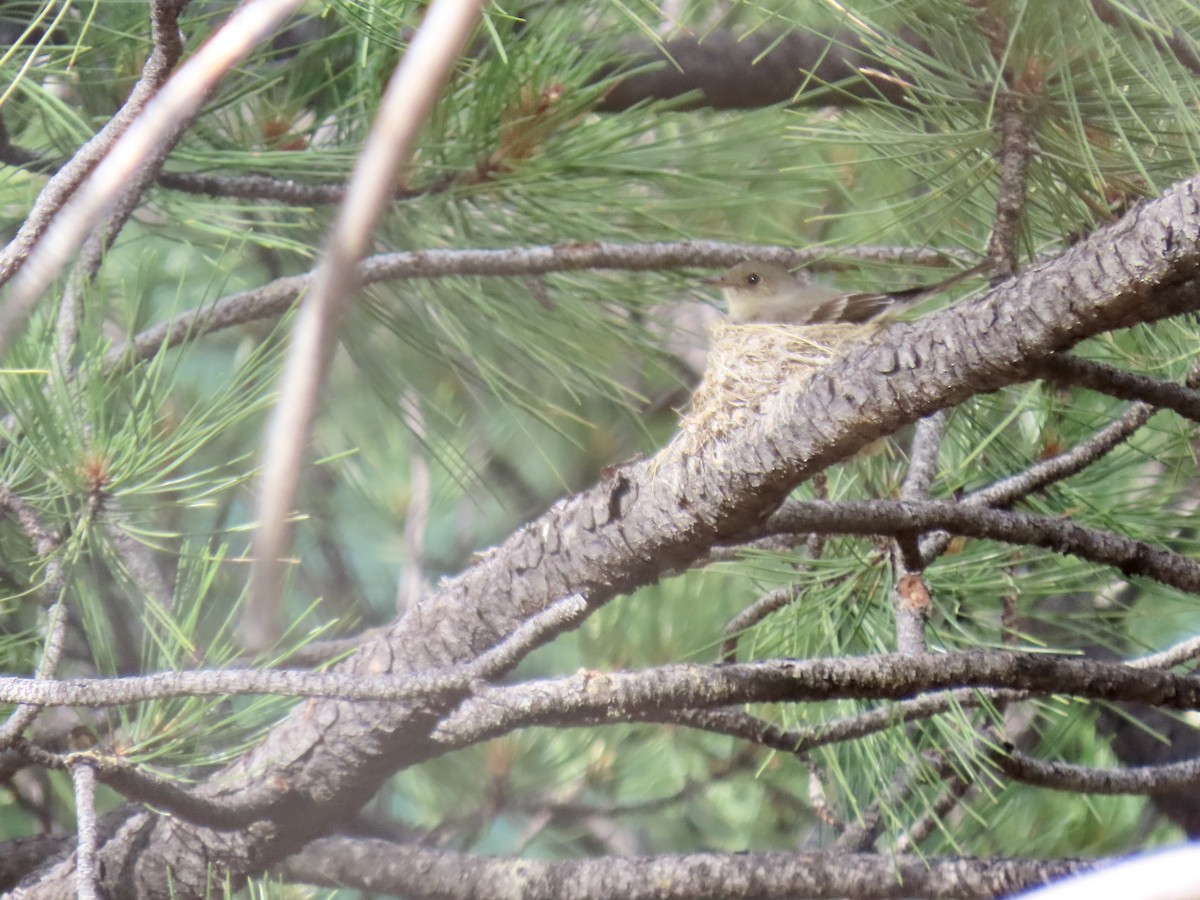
pixel 956 788
pixel 1046 472
pixel 910 598
pixel 407 101
pixel 44 545
pixel 1105 379
pixel 275 298
pixel 923 458
pixel 58 190
pixel 874 517
pixel 411 584
pixel 1058 776
pixel 84 778
pixel 174 104
pixel 760 609
pixel 564 614
pixel 1184 651
pixel 1078 458
pixel 818 797
pixel 142 787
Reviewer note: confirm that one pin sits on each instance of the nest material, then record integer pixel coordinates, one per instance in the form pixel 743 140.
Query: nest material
pixel 747 365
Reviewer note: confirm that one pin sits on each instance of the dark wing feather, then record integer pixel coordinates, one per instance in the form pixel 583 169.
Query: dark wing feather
pixel 849 308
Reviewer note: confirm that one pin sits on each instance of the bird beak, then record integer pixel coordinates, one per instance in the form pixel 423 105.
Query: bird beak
pixel 715 282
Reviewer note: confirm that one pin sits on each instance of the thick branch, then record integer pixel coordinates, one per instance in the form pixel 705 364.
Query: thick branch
pixel 650 518
pixel 415 872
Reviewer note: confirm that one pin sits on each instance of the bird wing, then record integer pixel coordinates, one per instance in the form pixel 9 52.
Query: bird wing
pixel 848 308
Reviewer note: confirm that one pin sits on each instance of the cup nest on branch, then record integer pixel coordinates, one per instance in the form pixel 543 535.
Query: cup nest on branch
pixel 747 365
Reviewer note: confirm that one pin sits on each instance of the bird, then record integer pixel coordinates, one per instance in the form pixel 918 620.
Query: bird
pixel 759 291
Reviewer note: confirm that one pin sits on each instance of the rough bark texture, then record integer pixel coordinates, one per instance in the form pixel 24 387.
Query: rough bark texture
pixel 642 521
pixel 414 872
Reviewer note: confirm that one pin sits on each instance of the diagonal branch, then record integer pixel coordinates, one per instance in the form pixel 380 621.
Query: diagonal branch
pixel 868 517
pixel 1181 399
pixel 407 101
pixel 119 159
pixel 168 47
pixel 380 866
pixel 1060 776
pixel 654 517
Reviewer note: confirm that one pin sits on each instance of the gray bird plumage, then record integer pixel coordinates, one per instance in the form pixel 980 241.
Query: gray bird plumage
pixel 761 291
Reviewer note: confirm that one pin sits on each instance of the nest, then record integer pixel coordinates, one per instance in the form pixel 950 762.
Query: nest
pixel 747 365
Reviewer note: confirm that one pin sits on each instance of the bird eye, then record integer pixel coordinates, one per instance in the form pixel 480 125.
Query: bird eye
pixel 753 278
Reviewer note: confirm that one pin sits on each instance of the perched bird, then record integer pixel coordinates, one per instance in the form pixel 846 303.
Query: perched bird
pixel 762 291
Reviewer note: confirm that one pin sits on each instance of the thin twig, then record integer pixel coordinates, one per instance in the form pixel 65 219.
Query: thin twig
pixel 1058 776
pixel 140 786
pixel 923 457
pixel 1123 385
pixel 276 297
pixel 44 545
pixel 876 517
pixel 1184 651
pixel 411 584
pixel 957 787
pixel 560 616
pixel 799 741
pixel 910 597
pixel 1078 458
pixel 406 103
pixel 84 778
pixel 174 104
pixel 566 613
pixel 54 195
pixel 1046 472
pixel 753 614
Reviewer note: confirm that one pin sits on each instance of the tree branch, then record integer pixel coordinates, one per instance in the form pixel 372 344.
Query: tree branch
pixel 118 160
pixel 1059 776
pixel 164 30
pixel 665 693
pixel 657 516
pixel 1108 380
pixel 275 298
pixel 415 872
pixel 747 71
pixel 867 517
